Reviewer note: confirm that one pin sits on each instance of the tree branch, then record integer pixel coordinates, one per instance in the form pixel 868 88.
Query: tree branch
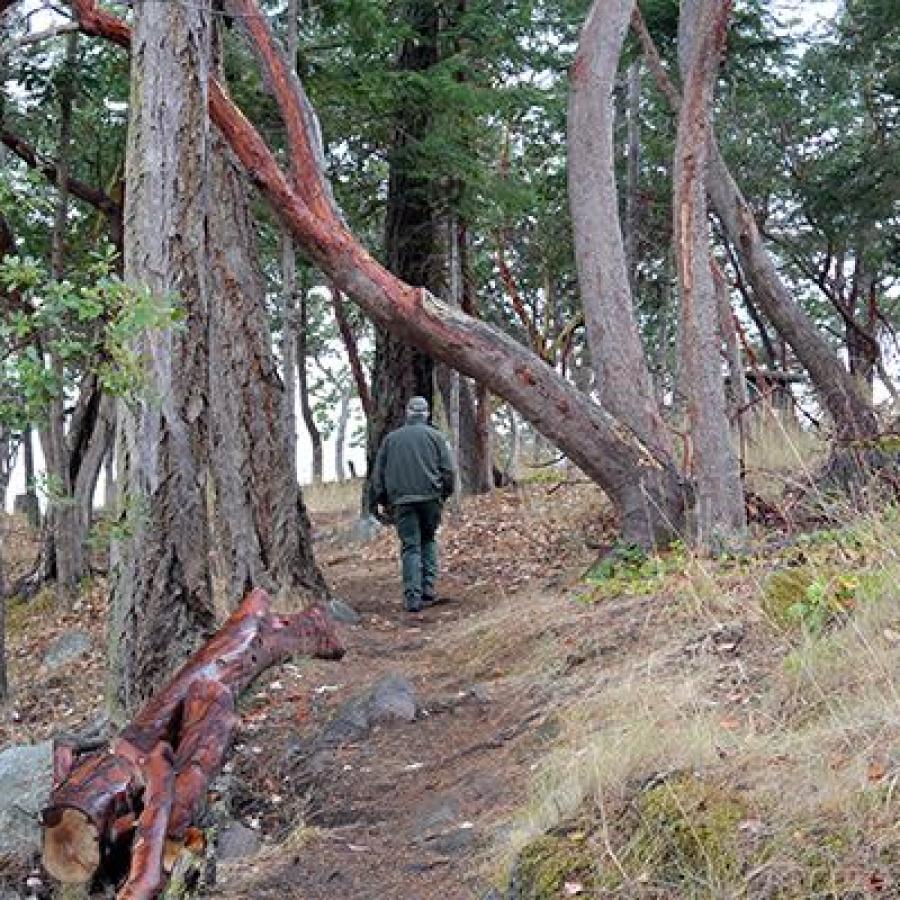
pixel 50 170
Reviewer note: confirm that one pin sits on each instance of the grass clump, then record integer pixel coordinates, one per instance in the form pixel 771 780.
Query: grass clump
pixel 549 862
pixel 686 832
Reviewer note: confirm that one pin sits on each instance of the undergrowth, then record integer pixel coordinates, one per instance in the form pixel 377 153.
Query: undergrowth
pixel 748 745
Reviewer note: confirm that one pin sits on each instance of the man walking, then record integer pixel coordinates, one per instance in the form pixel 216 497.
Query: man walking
pixel 413 475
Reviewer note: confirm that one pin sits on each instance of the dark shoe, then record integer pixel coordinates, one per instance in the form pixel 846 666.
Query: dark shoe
pixel 430 600
pixel 413 605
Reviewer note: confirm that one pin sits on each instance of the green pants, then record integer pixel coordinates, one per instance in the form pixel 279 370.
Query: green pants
pixel 417 525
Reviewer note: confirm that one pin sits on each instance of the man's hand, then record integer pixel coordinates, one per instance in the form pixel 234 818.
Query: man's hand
pixel 384 514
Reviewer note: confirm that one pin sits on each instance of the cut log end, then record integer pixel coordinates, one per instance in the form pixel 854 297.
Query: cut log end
pixel 71 845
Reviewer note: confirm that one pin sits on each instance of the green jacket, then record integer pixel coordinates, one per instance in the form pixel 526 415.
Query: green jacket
pixel 413 464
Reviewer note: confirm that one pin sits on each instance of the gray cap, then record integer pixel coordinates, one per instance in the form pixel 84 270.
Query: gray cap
pixel 417 408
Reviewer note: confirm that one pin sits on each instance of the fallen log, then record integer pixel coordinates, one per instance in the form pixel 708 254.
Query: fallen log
pixel 129 807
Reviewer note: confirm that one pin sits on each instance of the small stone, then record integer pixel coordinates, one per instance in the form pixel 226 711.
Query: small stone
pixel 393 697
pixel 67 647
pixel 26 775
pixel 237 841
pixel 341 611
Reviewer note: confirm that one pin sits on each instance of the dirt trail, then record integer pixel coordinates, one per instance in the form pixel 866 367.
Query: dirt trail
pixel 408 809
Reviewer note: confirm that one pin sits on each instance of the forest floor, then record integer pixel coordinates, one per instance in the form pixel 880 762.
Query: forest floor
pixel 664 726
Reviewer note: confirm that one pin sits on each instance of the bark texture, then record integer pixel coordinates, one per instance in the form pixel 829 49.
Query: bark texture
pixel 623 379
pixel 719 508
pixel 852 415
pixel 412 243
pixel 262 523
pixel 161 593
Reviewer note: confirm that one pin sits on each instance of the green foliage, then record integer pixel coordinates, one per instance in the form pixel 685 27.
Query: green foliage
pixel 91 324
pixel 631 570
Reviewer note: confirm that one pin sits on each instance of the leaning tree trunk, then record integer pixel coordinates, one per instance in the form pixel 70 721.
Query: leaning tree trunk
pixel 161 604
pixel 623 379
pixel 836 388
pixel 139 797
pixel 645 488
pixel 720 502
pixel 412 245
pixel 263 523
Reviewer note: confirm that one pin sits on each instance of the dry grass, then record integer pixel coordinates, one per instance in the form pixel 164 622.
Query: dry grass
pixel 799 729
pixel 333 497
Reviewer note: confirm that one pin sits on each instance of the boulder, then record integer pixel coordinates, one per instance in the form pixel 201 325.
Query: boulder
pixel 393 697
pixel 67 647
pixel 26 776
pixel 341 611
pixel 237 841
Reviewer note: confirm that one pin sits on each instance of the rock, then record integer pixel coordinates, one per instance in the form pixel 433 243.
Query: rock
pixel 364 530
pixel 351 722
pixel 454 841
pixel 237 841
pixel 26 776
pixel 393 697
pixel 341 611
pixel 67 647
pixel 436 816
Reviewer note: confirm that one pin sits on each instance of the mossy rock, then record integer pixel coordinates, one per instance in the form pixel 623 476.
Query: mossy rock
pixel 545 865
pixel 687 834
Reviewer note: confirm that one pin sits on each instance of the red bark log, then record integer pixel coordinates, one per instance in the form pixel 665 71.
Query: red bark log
pixel 95 808
pixel 146 875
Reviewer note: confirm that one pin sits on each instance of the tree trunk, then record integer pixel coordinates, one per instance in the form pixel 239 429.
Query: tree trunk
pixel 740 398
pixel 289 283
pixel 63 516
pixel 34 507
pixel 309 418
pixel 138 796
pixel 340 437
pixel 852 416
pixel 350 345
pixel 720 512
pixel 161 605
pixel 623 380
pixel 264 529
pixel 412 244
pixel 633 189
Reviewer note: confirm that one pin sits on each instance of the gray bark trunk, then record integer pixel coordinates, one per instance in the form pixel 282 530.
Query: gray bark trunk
pixel 340 437
pixel 161 606
pixel 720 512
pixel 623 380
pixel 63 515
pixel 632 194
pixel 34 508
pixel 835 386
pixel 740 397
pixel 309 418
pixel 852 416
pixel 262 523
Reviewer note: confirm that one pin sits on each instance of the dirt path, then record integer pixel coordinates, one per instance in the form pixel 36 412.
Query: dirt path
pixel 401 811
pixel 406 809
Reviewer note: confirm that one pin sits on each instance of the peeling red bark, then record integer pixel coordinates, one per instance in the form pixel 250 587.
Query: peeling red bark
pixel 141 786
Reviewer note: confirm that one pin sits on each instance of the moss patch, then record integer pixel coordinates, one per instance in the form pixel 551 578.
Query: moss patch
pixel 546 864
pixel 686 833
